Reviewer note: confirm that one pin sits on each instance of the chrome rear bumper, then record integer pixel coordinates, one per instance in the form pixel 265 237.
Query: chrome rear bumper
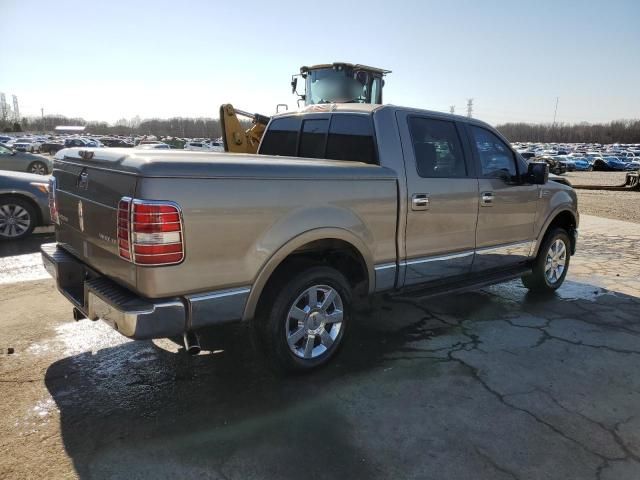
pixel 134 316
pixel 100 298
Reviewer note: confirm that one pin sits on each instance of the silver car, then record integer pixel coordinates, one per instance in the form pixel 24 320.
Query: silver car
pixel 11 159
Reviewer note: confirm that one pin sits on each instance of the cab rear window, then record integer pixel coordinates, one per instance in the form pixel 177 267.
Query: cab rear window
pixel 340 137
pixel 281 137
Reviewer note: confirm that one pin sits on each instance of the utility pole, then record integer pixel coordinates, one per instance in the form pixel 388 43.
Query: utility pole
pixel 470 107
pixel 452 109
pixel 42 113
pixel 555 112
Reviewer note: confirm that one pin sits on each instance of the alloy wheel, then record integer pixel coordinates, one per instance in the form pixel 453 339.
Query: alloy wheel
pixel 556 261
pixel 14 220
pixel 314 321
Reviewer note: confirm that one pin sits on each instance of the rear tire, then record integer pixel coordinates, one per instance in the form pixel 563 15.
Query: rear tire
pixel 39 168
pixel 552 263
pixel 302 322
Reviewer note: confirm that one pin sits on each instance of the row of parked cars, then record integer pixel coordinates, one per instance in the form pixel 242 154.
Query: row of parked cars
pixel 52 144
pixel 24 188
pixel 563 158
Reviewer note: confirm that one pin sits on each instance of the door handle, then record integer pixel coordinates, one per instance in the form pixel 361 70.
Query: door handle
pixel 486 199
pixel 420 201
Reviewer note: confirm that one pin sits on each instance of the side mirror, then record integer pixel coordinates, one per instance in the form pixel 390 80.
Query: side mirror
pixel 538 173
pixel 294 84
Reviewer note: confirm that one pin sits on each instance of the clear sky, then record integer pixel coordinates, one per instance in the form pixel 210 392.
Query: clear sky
pixel 104 60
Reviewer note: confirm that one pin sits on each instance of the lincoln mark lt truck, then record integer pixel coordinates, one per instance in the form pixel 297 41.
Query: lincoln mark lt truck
pixel 341 202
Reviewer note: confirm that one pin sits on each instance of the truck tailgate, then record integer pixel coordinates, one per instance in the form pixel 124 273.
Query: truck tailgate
pixel 87 195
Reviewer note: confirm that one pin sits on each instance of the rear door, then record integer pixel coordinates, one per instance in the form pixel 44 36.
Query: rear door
pixel 508 206
pixel 442 199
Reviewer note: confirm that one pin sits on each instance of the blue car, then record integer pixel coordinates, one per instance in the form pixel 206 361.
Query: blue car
pixel 580 164
pixel 609 163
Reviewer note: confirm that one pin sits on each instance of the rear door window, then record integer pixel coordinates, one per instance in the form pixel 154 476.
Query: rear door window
pixel 351 138
pixel 437 148
pixel 281 137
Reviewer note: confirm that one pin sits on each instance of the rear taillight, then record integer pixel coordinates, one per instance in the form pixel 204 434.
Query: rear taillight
pixel 53 209
pixel 150 232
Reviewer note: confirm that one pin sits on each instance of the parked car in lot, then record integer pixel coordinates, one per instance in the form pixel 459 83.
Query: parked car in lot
pixel 23 144
pixel 204 146
pixel 609 163
pixel 154 146
pixel 633 165
pixel 52 146
pixel 379 199
pixel 24 162
pixel 24 204
pixel 115 143
pixel 578 163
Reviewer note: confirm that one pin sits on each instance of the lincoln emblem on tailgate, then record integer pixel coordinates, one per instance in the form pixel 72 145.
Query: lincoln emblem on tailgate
pixel 80 217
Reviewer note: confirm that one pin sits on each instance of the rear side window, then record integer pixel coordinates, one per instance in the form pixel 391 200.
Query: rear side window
pixel 313 138
pixel 281 137
pixel 351 138
pixel 437 148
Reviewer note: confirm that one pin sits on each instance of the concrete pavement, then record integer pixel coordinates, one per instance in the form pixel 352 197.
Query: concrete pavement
pixel 493 384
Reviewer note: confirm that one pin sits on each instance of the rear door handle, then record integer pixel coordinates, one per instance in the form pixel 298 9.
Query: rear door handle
pixel 420 201
pixel 486 199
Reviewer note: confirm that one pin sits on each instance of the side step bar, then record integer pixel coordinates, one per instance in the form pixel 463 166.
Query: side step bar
pixel 464 285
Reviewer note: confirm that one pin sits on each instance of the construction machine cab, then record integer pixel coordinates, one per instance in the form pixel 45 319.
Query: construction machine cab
pixel 327 83
pixel 340 83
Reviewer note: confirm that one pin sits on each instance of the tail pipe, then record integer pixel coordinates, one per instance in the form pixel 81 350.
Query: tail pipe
pixel 191 343
pixel 78 315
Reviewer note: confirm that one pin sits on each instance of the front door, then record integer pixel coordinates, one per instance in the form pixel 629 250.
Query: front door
pixel 442 199
pixel 507 210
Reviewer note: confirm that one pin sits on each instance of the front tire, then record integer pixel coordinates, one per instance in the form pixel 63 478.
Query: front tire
pixel 302 322
pixel 552 263
pixel 17 218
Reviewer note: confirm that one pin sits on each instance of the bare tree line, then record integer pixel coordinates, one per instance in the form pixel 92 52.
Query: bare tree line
pixel 619 131
pixel 173 127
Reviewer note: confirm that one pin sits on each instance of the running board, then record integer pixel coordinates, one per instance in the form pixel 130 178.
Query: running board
pixel 465 284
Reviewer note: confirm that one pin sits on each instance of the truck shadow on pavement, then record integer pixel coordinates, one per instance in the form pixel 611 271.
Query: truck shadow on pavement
pixel 403 398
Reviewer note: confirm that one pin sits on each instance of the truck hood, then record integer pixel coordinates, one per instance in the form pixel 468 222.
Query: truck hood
pixel 189 164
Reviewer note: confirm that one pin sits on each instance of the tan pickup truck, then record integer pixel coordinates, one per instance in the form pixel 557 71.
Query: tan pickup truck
pixel 343 201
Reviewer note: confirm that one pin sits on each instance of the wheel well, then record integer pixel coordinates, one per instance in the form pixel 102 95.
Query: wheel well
pixel 334 253
pixel 567 221
pixel 29 200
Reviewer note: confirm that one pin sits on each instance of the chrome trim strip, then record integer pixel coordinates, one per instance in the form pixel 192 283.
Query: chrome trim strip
pixel 220 294
pixel 384 266
pixel 503 245
pixel 438 258
pixel 216 307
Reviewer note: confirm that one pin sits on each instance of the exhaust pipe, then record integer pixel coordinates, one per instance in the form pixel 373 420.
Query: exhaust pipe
pixel 78 315
pixel 191 343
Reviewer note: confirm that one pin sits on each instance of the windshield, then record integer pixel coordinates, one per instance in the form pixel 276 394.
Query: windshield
pixel 327 85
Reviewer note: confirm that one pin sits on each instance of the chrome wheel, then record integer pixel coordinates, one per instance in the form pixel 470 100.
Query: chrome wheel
pixel 38 168
pixel 556 261
pixel 14 220
pixel 314 321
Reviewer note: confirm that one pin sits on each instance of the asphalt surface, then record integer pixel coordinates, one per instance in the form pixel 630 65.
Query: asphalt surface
pixel 492 384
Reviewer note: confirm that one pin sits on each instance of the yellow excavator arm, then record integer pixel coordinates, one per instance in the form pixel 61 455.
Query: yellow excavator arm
pixel 236 138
